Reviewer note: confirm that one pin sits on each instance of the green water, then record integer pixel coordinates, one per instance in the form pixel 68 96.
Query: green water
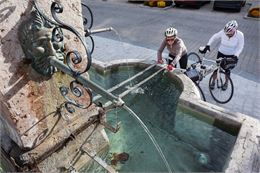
pixel 189 142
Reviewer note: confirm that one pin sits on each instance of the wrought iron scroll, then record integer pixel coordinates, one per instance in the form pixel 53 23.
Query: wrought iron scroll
pixel 73 57
pixel 88 23
pixel 81 96
pixel 78 93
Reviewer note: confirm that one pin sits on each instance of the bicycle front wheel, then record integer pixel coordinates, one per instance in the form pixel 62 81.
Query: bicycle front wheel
pixel 193 58
pixel 202 96
pixel 222 90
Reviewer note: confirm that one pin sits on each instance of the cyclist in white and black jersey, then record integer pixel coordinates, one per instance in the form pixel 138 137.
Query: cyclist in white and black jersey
pixel 231 45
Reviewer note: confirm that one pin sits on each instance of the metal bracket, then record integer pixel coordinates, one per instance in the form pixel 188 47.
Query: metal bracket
pixel 111 128
pixel 102 113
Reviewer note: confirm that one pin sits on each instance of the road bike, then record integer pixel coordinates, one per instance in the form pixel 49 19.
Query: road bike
pixel 199 67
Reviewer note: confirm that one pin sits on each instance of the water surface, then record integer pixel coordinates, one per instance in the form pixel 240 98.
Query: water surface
pixel 188 140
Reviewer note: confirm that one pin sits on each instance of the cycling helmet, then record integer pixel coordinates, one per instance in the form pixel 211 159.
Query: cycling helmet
pixel 171 32
pixel 230 27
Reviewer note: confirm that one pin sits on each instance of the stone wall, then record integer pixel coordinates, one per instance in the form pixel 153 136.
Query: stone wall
pixel 29 100
pixel 36 125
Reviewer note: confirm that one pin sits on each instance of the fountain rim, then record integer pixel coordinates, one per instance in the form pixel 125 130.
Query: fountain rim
pixel 241 158
pixel 189 98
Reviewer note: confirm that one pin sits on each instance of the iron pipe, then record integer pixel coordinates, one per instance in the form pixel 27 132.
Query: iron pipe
pixel 86 82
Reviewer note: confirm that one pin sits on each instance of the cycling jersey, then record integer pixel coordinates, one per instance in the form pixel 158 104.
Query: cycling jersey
pixel 229 46
pixel 177 49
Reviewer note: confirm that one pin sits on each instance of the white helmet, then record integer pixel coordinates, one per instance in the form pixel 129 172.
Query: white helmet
pixel 171 32
pixel 230 27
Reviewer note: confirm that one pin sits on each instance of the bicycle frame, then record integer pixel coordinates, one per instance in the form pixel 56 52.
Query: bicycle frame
pixel 206 70
pixel 220 93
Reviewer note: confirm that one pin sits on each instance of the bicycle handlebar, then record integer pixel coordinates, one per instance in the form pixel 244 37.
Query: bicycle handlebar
pixel 208 60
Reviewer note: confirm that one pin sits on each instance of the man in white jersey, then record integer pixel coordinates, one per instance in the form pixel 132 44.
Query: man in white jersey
pixel 231 45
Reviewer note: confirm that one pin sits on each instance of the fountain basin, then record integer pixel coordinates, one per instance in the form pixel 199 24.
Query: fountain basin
pixel 231 129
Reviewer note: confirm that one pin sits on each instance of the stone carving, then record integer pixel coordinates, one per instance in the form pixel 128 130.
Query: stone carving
pixel 40 41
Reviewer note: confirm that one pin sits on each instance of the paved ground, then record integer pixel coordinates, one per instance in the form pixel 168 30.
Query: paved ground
pixel 144 26
pixel 246 97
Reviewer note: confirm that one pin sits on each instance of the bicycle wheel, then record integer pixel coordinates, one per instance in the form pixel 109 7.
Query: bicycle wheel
pixel 219 93
pixel 193 58
pixel 201 92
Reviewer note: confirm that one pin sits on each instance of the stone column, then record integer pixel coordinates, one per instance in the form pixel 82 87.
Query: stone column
pixel 28 100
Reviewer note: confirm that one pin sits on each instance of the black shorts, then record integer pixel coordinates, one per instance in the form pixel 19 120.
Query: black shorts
pixel 183 61
pixel 228 63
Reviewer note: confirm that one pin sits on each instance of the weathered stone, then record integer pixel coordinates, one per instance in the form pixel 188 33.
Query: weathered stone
pixel 30 96
pixel 29 101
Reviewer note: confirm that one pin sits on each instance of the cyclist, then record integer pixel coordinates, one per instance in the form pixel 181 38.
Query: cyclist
pixel 231 45
pixel 176 47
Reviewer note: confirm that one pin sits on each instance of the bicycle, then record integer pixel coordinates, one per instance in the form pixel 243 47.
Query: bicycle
pixel 223 89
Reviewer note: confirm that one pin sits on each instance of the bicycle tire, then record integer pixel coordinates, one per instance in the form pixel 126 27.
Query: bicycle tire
pixel 218 90
pixel 201 92
pixel 193 58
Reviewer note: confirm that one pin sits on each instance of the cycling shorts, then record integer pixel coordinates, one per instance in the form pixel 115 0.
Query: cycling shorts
pixel 228 63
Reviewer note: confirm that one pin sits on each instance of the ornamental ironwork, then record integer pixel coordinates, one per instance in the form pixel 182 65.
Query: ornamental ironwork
pixel 42 41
